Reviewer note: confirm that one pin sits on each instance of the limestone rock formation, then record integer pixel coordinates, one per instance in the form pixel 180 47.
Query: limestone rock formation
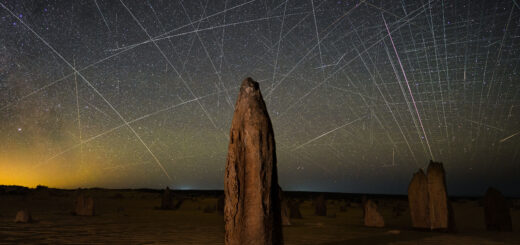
pixel 84 206
pixel 372 216
pixel 438 197
pixel 320 206
pixel 419 201
pixel 428 200
pixel 496 211
pixel 23 216
pixel 252 206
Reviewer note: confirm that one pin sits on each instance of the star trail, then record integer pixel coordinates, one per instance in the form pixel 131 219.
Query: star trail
pixel 361 93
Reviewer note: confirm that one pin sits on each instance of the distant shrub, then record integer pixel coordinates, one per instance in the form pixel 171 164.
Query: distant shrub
pixel 42 187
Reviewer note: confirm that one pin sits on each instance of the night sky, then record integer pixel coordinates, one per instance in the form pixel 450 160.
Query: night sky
pixel 127 94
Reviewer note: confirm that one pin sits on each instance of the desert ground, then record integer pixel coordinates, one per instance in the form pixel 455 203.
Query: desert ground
pixel 133 217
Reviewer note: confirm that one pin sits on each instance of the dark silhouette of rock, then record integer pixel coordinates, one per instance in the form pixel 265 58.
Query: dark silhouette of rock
pixel 496 211
pixel 372 216
pixel 438 197
pixel 252 211
pixel 320 206
pixel 209 209
pixel 419 201
pixel 294 209
pixel 398 210
pixel 286 220
pixel 220 204
pixel 167 199
pixel 84 206
pixel 23 216
pixel 451 219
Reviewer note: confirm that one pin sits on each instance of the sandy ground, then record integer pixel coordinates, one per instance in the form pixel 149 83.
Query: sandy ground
pixel 130 217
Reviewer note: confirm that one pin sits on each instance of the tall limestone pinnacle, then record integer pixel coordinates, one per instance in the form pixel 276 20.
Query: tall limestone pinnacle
pixel 252 206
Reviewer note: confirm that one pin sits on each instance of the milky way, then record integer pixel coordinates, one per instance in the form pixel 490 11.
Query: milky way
pixel 361 93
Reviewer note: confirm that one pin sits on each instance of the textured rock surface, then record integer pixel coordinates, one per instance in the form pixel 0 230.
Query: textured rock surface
pixel 252 207
pixel 84 206
pixel 496 211
pixel 320 206
pixel 372 216
pixel 418 201
pixel 23 216
pixel 438 208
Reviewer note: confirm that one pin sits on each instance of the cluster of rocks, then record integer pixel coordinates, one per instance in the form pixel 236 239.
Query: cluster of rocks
pixel 83 206
pixel 428 200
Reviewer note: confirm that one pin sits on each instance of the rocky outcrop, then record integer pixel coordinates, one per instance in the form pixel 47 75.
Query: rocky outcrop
pixel 252 206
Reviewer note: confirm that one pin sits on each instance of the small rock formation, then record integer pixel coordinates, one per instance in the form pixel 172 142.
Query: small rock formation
pixel 286 220
pixel 320 206
pixel 438 197
pixel 294 209
pixel 23 216
pixel 252 212
pixel 419 201
pixel 167 199
pixel 84 206
pixel 496 211
pixel 372 216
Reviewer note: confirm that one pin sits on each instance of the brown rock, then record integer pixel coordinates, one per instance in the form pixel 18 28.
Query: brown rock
pixel 23 216
pixel 320 206
pixel 372 216
pixel 419 201
pixel 84 206
pixel 496 211
pixel 438 197
pixel 252 206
